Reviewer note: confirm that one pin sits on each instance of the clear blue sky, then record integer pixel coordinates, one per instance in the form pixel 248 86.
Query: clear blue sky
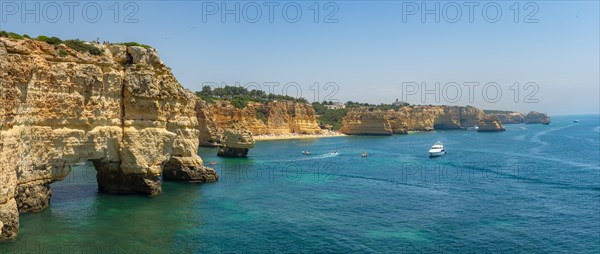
pixel 368 53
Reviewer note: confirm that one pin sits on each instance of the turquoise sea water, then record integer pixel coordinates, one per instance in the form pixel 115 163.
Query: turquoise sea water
pixel 533 188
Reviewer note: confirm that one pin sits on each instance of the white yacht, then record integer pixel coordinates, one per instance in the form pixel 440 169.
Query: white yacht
pixel 437 149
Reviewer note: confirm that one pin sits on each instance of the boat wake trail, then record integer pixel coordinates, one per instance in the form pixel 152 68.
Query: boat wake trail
pixel 309 158
pixel 536 138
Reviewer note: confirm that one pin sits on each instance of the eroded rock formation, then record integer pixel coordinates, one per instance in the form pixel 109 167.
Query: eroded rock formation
pixel 490 123
pixel 276 117
pixel 211 133
pixel 510 118
pixel 536 117
pixel 363 121
pixel 237 141
pixel 123 110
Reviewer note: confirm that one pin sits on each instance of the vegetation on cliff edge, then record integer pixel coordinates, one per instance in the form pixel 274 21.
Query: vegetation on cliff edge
pixel 75 44
pixel 490 111
pixel 240 96
pixel 330 114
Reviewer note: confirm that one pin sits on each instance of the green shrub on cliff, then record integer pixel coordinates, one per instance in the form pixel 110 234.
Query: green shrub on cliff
pixel 42 38
pixel 10 35
pixel 240 96
pixel 50 40
pixel 239 103
pixel 83 47
pixel 327 116
pixel 261 116
pixel 54 41
pixel 129 44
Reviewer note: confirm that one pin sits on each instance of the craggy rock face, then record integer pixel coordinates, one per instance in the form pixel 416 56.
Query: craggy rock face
pixel 362 121
pixel 511 118
pixel 122 110
pixel 236 142
pixel 210 132
pixel 276 117
pixel 536 117
pixel 490 123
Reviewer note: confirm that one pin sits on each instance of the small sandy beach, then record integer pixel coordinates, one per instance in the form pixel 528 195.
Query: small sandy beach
pixel 326 134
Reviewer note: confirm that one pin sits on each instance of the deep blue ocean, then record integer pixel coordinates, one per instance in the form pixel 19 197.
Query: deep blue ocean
pixel 530 189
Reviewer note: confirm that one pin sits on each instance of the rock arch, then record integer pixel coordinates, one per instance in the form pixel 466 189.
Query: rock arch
pixel 130 117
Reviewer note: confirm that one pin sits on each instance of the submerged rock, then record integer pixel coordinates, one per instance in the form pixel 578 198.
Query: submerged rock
pixel 237 141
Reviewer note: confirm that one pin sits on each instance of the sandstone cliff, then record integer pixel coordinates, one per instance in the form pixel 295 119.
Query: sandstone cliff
pixel 210 132
pixel 490 123
pixel 276 117
pixel 536 117
pixel 123 110
pixel 237 140
pixel 416 118
pixel 365 122
pixel 510 118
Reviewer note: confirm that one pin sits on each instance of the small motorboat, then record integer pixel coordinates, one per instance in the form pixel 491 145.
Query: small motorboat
pixel 473 128
pixel 213 163
pixel 306 152
pixel 334 152
pixel 575 121
pixel 364 154
pixel 437 149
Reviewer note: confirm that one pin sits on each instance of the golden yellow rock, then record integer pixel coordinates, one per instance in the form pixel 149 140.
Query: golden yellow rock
pixel 123 110
pixel 237 140
pixel 536 117
pixel 490 123
pixel 365 121
pixel 276 117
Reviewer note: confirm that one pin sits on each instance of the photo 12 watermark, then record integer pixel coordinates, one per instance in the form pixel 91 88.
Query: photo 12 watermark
pixel 466 172
pixel 470 92
pixel 270 12
pixel 69 11
pixel 470 11
pixel 309 91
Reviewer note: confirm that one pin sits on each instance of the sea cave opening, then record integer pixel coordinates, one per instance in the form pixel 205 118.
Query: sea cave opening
pixel 80 183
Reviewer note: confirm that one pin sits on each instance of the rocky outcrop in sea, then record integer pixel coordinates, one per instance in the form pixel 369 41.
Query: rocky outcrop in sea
pixel 237 141
pixel 490 123
pixel 536 117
